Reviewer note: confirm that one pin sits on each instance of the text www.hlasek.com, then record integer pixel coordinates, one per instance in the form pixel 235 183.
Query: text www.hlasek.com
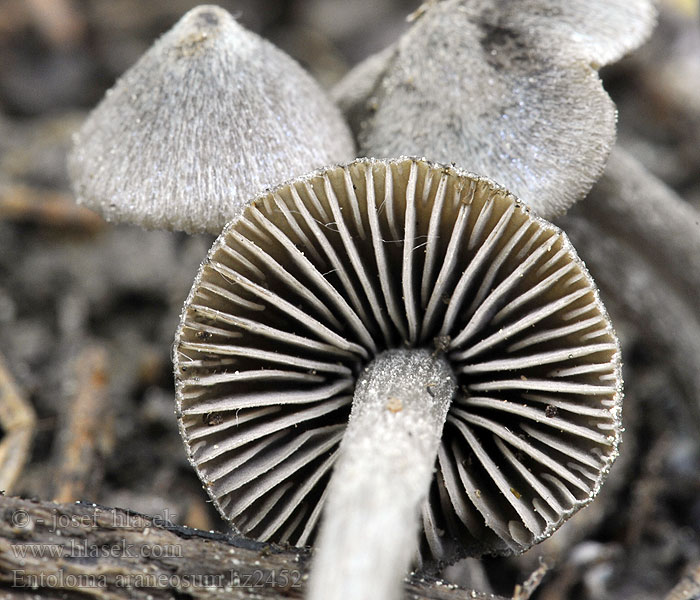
pixel 118 549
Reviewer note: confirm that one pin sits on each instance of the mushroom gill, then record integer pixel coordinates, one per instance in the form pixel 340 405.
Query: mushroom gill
pixel 319 277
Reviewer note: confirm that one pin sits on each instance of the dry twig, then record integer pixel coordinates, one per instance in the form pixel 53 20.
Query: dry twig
pixel 688 588
pixel 26 204
pixel 18 420
pixel 87 551
pixel 87 434
pixel 528 587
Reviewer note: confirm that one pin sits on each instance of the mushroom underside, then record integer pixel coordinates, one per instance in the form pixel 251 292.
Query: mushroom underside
pixel 320 276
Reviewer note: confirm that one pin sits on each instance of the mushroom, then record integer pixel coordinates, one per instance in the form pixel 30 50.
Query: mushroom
pixel 405 347
pixel 505 89
pixel 652 284
pixel 209 117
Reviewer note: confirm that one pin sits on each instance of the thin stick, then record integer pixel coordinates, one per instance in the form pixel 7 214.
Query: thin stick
pixel 87 434
pixel 688 587
pixel 47 208
pixel 18 420
pixel 525 590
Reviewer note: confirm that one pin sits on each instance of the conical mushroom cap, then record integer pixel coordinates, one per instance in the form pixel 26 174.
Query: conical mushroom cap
pixel 506 89
pixel 318 277
pixel 209 117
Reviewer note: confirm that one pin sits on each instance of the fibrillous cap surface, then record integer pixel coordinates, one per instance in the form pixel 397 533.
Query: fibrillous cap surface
pixel 208 118
pixel 506 89
pixel 320 275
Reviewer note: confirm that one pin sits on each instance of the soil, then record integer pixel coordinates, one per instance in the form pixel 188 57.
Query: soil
pixel 89 309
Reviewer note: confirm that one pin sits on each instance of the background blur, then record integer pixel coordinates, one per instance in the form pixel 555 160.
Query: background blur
pixel 88 310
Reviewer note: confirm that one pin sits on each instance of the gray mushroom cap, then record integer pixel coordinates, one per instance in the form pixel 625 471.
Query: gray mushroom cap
pixel 505 89
pixel 321 275
pixel 209 117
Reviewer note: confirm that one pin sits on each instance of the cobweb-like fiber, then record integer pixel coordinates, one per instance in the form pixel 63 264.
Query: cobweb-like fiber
pixel 319 276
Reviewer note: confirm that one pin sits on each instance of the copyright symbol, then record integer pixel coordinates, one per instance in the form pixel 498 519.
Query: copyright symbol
pixel 20 518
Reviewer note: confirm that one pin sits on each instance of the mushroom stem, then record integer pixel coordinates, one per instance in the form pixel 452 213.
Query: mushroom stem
pixel 371 518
